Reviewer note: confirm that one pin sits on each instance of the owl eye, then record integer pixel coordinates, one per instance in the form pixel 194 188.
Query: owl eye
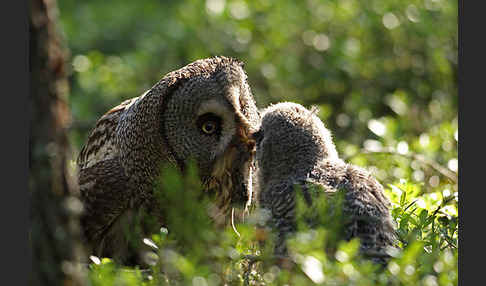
pixel 208 127
pixel 209 124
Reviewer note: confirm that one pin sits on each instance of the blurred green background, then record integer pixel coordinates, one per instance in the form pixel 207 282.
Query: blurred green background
pixel 384 73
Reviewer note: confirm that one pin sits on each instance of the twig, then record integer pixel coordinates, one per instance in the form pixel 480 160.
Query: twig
pixel 443 204
pixel 449 243
pixel 410 205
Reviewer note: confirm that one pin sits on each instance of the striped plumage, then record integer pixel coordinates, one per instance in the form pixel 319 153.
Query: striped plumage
pixel 204 111
pixel 294 149
pixel 100 144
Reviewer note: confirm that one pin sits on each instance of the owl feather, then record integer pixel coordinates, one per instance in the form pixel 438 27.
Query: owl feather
pixel 100 144
pixel 123 154
pixel 294 149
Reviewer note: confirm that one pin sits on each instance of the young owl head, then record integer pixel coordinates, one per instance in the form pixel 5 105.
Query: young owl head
pixel 290 141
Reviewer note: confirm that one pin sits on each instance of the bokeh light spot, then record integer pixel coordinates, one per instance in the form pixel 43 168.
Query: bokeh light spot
pixel 390 21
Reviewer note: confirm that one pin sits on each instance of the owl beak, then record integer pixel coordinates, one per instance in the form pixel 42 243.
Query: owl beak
pixel 257 136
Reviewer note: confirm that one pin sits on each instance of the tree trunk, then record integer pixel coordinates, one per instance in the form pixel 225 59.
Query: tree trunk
pixel 55 209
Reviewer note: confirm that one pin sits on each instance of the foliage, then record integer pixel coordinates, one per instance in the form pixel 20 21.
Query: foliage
pixel 383 73
pixel 192 251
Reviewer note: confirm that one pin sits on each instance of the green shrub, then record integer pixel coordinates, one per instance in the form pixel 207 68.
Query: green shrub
pixel 193 252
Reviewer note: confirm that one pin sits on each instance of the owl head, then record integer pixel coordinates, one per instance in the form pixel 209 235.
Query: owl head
pixel 290 142
pixel 203 112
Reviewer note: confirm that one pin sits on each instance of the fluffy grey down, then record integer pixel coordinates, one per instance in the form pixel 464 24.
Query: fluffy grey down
pixel 295 149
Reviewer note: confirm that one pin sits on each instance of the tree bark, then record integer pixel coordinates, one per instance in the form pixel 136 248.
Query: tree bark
pixel 54 233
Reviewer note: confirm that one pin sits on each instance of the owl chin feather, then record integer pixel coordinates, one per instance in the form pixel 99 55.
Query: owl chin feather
pixel 230 180
pixel 230 183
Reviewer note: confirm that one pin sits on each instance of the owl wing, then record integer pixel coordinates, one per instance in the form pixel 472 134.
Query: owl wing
pixel 100 145
pixel 105 193
pixel 365 205
pixel 277 201
pixel 369 216
pixel 102 182
pixel 105 189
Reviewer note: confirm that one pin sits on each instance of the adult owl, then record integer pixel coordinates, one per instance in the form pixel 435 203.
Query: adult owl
pixel 295 149
pixel 204 112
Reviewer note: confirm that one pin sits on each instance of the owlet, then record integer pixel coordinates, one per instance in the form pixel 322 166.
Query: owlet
pixel 296 151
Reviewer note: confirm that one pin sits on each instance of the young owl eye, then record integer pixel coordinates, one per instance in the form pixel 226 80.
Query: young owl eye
pixel 209 124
